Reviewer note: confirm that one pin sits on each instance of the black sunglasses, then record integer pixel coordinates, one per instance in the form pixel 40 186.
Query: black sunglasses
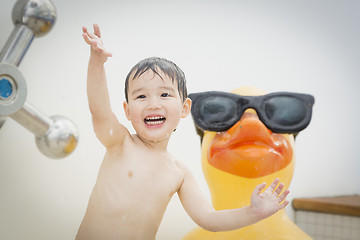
pixel 281 112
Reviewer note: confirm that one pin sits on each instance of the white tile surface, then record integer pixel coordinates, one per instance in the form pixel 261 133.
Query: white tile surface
pixel 326 226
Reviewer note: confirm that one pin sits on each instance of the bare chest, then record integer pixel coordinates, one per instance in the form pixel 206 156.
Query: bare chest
pixel 138 178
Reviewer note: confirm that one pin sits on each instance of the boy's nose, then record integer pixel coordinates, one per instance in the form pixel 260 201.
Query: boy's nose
pixel 154 103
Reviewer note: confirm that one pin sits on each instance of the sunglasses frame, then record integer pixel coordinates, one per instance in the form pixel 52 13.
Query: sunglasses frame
pixel 254 102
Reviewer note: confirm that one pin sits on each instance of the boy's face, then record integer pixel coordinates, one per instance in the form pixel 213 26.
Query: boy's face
pixel 154 106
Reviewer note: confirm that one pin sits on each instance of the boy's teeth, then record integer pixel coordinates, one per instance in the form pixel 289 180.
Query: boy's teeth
pixel 154 120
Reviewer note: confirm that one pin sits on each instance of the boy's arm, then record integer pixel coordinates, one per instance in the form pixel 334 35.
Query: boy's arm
pixel 106 126
pixel 201 211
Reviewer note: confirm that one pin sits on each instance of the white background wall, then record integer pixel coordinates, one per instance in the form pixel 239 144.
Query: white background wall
pixel 302 46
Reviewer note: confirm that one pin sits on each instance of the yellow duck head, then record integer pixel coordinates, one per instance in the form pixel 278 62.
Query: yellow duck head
pixel 246 154
pixel 237 160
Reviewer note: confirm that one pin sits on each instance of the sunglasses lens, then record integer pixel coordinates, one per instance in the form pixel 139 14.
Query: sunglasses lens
pixel 217 110
pixel 285 110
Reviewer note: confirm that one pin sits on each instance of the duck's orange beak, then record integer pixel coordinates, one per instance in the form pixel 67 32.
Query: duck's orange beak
pixel 249 149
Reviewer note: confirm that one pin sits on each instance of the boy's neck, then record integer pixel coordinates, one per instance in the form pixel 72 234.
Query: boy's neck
pixel 160 146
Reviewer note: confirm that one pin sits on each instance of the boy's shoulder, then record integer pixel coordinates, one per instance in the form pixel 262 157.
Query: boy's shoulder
pixel 182 166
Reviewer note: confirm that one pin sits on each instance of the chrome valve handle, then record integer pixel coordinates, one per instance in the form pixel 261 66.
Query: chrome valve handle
pixel 56 136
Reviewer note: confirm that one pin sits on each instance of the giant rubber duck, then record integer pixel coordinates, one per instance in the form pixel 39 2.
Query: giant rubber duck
pixel 241 152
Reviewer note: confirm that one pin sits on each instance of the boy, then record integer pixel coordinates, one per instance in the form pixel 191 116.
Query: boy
pixel 138 177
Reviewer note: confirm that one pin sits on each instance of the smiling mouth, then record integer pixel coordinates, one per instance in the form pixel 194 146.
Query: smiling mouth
pixel 155 120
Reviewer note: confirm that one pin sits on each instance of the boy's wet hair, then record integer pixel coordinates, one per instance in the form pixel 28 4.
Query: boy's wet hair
pixel 155 64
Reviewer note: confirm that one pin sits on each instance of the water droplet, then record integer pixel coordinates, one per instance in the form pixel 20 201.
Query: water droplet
pixel 111 132
pixel 123 217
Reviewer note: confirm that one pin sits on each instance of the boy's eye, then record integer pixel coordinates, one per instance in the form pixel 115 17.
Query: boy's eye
pixel 141 96
pixel 165 95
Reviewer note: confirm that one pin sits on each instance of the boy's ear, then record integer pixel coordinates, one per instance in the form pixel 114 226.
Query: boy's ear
pixel 126 110
pixel 186 107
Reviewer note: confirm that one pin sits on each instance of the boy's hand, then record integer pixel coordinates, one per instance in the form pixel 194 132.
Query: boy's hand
pixel 95 42
pixel 268 202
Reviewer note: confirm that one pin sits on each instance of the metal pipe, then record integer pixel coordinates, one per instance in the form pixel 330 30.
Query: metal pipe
pixel 17 45
pixel 32 119
pixel 13 52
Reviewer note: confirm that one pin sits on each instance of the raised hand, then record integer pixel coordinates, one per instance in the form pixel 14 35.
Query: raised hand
pixel 270 201
pixel 95 41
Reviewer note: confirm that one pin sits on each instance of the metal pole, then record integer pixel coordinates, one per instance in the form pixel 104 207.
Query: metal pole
pixel 17 45
pixel 13 52
pixel 32 119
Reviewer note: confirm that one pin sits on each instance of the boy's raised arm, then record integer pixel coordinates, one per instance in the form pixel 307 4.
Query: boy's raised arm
pixel 201 211
pixel 106 126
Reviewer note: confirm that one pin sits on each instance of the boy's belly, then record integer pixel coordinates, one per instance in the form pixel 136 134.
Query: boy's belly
pixel 101 227
pixel 129 215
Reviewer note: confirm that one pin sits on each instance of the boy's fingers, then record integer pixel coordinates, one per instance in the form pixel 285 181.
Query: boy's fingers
pixel 91 39
pixel 97 30
pixel 279 189
pixel 284 204
pixel 90 35
pixel 284 195
pixel 273 184
pixel 258 188
pixel 86 38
